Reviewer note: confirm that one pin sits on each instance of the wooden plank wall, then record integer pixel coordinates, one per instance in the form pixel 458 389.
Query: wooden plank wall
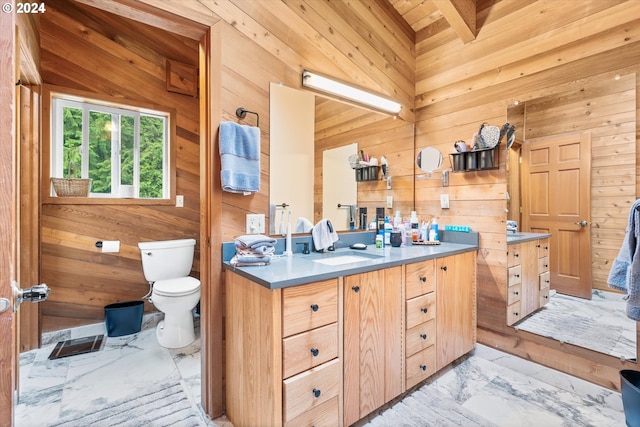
pixel 86 49
pixel 377 134
pixel 523 51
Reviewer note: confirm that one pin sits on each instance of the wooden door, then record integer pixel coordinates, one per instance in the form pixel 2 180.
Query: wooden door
pixel 372 341
pixel 9 262
pixel 455 307
pixel 556 190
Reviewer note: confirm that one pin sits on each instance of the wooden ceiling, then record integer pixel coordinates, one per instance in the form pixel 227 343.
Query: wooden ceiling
pixel 458 14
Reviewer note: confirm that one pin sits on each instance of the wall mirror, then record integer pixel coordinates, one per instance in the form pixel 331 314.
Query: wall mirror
pixel 600 116
pixel 429 159
pixel 310 158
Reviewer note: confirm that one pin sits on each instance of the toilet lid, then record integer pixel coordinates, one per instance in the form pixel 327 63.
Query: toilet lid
pixel 176 287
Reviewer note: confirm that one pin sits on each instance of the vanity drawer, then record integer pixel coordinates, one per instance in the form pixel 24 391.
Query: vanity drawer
pixel 308 349
pixel 420 337
pixel 323 415
pixel 513 255
pixel 515 275
pixel 543 248
pixel 421 366
pixel 421 309
pixel 544 296
pixel 543 264
pixel 310 389
pixel 545 280
pixel 514 293
pixel 420 278
pixel 309 306
pixel 514 313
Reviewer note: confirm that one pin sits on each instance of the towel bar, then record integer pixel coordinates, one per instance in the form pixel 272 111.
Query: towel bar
pixel 242 113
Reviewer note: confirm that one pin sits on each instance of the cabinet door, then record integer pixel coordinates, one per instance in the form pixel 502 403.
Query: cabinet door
pixel 373 349
pixel 455 307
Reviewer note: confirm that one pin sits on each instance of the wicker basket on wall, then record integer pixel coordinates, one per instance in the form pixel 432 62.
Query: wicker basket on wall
pixel 71 187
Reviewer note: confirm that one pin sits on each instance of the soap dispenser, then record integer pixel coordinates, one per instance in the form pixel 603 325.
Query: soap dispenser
pixel 433 234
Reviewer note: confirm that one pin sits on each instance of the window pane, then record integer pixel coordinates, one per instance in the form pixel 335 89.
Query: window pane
pixel 72 141
pixel 151 155
pixel 126 150
pixel 100 152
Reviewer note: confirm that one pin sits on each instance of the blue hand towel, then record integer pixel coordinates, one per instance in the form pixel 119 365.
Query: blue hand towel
pixel 239 158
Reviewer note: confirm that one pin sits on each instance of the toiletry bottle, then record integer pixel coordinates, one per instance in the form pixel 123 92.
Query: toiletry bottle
pixel 433 234
pixel 424 232
pixel 397 220
pixel 414 226
pixel 379 241
pixel 387 231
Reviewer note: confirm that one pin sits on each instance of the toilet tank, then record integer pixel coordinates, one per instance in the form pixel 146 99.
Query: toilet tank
pixel 167 259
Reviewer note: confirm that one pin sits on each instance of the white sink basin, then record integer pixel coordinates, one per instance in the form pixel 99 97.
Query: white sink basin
pixel 342 259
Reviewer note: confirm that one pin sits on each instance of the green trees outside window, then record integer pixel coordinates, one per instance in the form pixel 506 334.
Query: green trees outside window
pixel 117 148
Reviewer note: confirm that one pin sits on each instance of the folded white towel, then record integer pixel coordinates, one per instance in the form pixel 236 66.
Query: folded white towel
pixel 324 234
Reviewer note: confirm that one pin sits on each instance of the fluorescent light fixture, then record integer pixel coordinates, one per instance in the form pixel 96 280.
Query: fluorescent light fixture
pixel 341 90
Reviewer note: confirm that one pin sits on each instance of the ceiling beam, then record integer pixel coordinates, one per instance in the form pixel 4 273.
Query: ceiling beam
pixel 461 15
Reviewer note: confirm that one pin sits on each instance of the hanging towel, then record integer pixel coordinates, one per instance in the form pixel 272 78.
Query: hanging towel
pixel 303 225
pixel 240 158
pixel 625 270
pixel 324 234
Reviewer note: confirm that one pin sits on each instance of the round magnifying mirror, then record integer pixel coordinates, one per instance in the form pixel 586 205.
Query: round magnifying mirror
pixel 429 159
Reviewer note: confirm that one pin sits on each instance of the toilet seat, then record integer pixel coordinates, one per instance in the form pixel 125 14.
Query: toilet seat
pixel 176 287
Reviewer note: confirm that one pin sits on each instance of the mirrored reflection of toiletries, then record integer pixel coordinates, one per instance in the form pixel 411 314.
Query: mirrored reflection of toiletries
pixel 352 216
pixel 380 219
pixel 363 219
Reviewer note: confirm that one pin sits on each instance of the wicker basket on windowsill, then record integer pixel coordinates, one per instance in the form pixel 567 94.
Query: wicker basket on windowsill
pixel 71 187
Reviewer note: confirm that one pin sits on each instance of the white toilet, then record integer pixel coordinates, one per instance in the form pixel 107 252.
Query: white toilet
pixel 167 264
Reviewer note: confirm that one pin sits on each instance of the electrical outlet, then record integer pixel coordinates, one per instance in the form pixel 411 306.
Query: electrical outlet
pixel 444 201
pixel 390 202
pixel 255 223
pixel 179 201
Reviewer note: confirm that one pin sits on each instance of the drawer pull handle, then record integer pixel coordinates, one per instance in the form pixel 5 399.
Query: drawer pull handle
pixel 546 266
pixel 516 293
pixel 517 275
pixel 314 307
pixel 444 268
pixel 547 281
pixel 423 279
pixel 356 289
pixel 515 313
pixel 315 352
pixel 424 310
pixel 423 367
pixel 423 336
pixel 516 255
pixel 546 297
pixel 316 393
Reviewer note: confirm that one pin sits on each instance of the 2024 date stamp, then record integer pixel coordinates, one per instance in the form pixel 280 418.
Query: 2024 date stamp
pixel 33 7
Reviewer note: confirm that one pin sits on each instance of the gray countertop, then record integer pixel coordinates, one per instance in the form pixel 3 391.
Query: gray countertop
pixel 299 268
pixel 513 238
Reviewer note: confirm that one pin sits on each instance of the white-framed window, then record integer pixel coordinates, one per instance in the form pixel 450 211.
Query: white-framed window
pixel 123 150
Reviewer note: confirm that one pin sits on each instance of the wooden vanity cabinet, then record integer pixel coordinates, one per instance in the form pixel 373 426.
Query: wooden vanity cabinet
pixel 373 319
pixel 283 347
pixel 527 278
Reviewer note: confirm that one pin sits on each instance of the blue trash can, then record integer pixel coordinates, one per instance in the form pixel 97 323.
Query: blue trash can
pixel 123 318
pixel 630 390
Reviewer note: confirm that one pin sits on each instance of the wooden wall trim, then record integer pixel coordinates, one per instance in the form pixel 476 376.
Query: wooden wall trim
pixel 211 282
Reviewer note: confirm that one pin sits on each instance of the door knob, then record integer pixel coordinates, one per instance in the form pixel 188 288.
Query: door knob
pixel 36 293
pixel 582 223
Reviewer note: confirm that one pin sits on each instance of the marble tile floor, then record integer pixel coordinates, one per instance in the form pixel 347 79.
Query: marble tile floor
pixel 600 324
pixel 485 388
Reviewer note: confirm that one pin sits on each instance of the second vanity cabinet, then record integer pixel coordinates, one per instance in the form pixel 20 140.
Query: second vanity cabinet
pixel 330 352
pixel 527 278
